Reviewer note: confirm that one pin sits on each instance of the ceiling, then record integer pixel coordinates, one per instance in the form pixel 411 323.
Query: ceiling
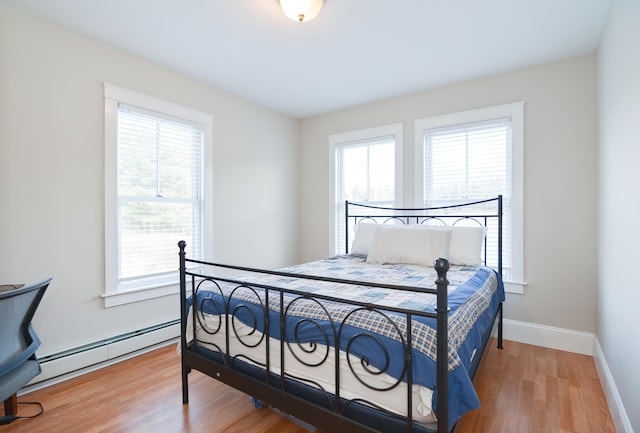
pixel 355 52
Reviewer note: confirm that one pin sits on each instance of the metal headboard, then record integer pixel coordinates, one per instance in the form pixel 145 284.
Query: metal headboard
pixel 451 213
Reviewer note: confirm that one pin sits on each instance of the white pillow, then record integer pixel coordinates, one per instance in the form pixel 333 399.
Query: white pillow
pixel 466 245
pixel 405 244
pixel 364 235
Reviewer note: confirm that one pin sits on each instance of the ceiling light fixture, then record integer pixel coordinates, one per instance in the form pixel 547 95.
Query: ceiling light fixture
pixel 301 10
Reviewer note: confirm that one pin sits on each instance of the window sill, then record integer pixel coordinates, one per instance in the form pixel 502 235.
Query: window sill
pixel 514 287
pixel 141 294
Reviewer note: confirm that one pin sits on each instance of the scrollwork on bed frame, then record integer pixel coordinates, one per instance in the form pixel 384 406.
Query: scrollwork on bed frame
pixel 240 298
pixel 255 306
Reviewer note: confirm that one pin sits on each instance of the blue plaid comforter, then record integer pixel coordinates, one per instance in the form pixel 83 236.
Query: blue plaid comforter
pixel 474 295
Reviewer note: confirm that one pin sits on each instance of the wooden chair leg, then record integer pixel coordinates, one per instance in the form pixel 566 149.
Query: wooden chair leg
pixel 11 405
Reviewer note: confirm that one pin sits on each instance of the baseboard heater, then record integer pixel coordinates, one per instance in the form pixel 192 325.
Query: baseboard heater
pixel 89 357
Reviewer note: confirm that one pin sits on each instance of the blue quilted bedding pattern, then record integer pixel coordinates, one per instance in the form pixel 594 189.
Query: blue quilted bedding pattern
pixel 377 336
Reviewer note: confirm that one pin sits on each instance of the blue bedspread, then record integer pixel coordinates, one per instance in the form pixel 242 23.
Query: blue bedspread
pixel 474 295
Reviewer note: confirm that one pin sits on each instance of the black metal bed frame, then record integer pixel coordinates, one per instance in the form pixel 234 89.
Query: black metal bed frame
pixel 293 395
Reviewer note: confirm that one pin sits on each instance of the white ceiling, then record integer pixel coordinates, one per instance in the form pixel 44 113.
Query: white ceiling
pixel 354 52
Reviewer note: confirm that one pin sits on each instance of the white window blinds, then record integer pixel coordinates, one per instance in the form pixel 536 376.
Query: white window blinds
pixel 159 191
pixel 468 161
pixel 471 161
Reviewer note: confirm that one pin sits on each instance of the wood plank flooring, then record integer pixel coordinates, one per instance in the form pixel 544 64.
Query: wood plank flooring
pixel 525 388
pixel 521 388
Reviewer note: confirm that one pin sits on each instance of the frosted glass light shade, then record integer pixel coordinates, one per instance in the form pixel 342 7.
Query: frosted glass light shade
pixel 301 10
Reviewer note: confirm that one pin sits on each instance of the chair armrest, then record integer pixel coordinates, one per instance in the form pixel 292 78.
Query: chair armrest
pixel 30 351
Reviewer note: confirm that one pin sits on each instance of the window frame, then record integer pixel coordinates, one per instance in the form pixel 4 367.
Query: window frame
pixel 114 292
pixel 336 141
pixel 514 111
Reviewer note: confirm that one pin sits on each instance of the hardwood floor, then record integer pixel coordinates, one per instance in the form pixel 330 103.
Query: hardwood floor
pixel 522 389
pixel 525 388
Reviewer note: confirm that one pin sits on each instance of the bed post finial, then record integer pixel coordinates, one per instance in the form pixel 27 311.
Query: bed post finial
pixel 442 266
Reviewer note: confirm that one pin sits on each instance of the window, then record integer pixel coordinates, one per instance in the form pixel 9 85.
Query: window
pixel 365 168
pixel 155 192
pixel 474 155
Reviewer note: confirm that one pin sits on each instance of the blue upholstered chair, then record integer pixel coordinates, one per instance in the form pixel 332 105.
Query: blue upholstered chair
pixel 18 341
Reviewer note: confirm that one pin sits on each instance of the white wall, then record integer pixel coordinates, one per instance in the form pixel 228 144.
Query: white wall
pixel 560 178
pixel 52 171
pixel 619 288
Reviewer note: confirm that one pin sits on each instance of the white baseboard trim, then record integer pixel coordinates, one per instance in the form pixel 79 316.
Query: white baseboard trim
pixel 56 369
pixel 548 336
pixel 616 407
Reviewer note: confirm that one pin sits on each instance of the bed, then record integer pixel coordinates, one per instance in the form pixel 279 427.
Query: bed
pixel 384 338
